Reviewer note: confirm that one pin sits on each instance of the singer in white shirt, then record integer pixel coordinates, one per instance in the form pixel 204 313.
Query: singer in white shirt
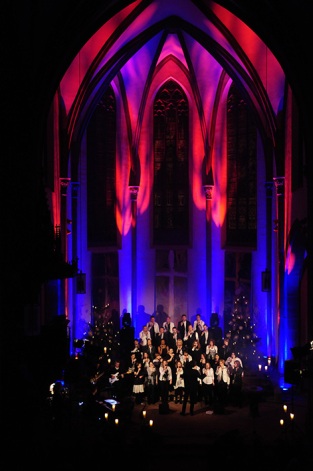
pixel 168 325
pixel 144 335
pixel 198 324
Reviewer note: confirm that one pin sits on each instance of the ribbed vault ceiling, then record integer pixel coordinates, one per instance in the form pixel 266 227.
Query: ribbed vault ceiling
pixel 204 40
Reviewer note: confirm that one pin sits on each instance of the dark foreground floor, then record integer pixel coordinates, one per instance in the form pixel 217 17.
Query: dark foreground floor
pixel 80 437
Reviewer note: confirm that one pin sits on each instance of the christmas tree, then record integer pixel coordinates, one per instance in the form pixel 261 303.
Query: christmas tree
pixel 104 334
pixel 241 331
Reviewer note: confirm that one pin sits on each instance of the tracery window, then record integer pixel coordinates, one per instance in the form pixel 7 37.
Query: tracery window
pixel 241 173
pixel 102 233
pixel 101 174
pixel 171 182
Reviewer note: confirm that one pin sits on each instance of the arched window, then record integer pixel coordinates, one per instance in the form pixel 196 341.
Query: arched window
pixel 101 174
pixel 241 174
pixel 171 197
pixel 171 182
pixel 102 233
pixel 241 221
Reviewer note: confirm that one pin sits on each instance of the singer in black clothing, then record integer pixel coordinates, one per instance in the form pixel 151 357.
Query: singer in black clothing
pixel 183 325
pixel 236 383
pixel 165 381
pixel 191 377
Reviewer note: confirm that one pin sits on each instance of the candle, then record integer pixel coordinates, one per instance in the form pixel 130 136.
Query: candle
pixel 265 367
pixel 113 407
pixel 116 421
pixel 285 408
pixel 281 422
pixel 109 360
pixel 260 367
pixel 292 416
pixel 269 361
pixel 105 349
pixel 151 423
pixel 106 416
pixel 144 413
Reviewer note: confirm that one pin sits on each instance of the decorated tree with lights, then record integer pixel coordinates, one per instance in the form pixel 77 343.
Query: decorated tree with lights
pixel 241 330
pixel 104 333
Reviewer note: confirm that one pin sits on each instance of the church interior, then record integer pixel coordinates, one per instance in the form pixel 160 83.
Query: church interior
pixel 156 155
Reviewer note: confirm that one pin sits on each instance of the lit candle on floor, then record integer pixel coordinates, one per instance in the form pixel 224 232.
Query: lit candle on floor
pixel 292 416
pixel 106 416
pixel 113 407
pixel 144 413
pixel 285 408
pixel 116 421
pixel 260 367
pixel 151 423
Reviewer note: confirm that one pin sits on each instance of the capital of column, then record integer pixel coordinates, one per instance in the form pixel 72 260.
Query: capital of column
pixel 133 192
pixel 208 190
pixel 279 185
pixel 64 183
